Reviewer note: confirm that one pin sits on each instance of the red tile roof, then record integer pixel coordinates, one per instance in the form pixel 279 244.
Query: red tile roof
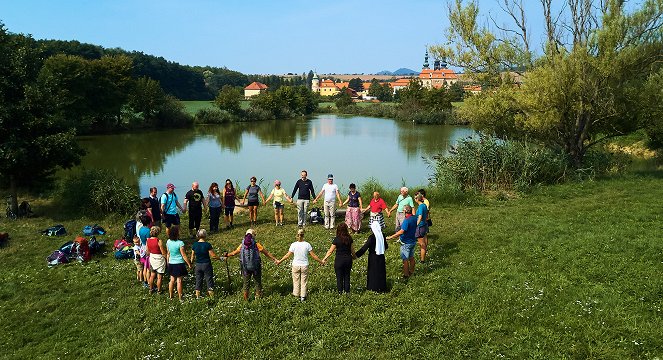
pixel 438 74
pixel 256 86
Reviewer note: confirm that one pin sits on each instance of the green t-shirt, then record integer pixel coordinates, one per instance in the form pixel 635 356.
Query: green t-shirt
pixel 402 201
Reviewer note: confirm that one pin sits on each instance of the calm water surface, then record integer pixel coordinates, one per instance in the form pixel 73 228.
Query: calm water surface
pixel 354 149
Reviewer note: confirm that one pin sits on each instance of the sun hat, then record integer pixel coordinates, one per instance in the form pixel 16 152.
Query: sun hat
pixel 251 231
pixel 170 186
pixel 277 182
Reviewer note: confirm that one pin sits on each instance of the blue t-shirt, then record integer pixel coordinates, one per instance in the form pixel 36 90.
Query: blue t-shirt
pixel 174 250
pixel 201 249
pixel 409 226
pixel 171 203
pixel 423 211
pixel 143 234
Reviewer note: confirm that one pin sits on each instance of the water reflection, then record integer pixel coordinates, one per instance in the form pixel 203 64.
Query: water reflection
pixel 352 148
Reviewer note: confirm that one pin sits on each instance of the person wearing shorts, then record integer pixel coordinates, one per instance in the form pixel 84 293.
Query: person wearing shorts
pixel 252 192
pixel 279 195
pixel 229 197
pixel 169 206
pixel 408 241
pixel 422 226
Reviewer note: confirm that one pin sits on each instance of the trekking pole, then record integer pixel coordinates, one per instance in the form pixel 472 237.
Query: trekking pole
pixel 228 273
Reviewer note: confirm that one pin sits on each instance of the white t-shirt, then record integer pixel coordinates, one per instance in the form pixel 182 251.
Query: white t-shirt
pixel 330 191
pixel 300 250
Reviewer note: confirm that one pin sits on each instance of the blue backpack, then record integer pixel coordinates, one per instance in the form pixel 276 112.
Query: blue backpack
pixel 249 256
pixel 93 230
pixel 129 230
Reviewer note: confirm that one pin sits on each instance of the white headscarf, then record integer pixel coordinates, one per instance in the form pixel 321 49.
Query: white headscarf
pixel 379 238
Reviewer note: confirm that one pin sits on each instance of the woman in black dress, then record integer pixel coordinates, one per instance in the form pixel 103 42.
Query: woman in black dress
pixel 345 252
pixel 376 278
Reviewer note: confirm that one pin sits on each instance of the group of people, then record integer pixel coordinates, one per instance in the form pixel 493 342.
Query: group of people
pixel 154 258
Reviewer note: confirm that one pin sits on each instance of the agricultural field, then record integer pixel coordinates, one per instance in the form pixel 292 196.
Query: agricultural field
pixel 567 271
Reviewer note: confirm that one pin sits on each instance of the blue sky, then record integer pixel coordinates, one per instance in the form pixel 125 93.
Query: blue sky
pixel 254 37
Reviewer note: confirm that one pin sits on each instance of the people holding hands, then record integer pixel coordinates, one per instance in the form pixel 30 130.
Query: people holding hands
pixel 301 250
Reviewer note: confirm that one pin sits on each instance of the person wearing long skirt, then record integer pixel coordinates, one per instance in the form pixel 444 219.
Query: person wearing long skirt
pixel 376 276
pixel 353 213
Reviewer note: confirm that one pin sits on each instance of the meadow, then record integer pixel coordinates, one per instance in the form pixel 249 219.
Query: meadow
pixel 566 271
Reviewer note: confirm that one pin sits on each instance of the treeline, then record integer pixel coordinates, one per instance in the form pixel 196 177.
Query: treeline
pixel 414 103
pixel 284 103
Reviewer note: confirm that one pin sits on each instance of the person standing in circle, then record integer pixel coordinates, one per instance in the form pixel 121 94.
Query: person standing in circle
pixel 376 205
pixel 169 206
pixel 176 258
pixel 345 252
pixel 376 274
pixel 330 190
pixel 229 197
pixel 196 200
pixel 301 249
pixel 304 188
pixel 402 200
pixel 252 192
pixel 408 241
pixel 353 213
pixel 279 195
pixel 214 204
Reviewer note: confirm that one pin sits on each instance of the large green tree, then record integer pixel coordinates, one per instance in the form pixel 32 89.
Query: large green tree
pixel 229 99
pixel 34 143
pixel 590 82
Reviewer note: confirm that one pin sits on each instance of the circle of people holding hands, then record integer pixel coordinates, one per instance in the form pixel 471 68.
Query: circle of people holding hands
pixel 153 257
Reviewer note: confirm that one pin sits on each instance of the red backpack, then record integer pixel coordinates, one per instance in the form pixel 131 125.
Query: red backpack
pixel 81 248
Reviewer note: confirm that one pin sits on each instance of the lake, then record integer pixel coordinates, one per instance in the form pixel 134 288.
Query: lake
pixel 353 149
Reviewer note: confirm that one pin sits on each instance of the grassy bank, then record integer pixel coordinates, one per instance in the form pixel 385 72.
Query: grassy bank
pixel 193 106
pixel 569 271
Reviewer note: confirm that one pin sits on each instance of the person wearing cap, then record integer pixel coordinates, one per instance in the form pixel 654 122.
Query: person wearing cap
pixel 402 200
pixel 330 190
pixel 304 188
pixel 408 239
pixel 169 206
pixel 301 250
pixel 249 243
pixel 196 201
pixel 279 195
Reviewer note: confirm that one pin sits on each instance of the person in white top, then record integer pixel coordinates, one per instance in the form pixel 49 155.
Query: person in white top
pixel 301 250
pixel 330 190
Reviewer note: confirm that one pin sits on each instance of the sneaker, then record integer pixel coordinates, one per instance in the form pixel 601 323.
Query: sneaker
pixel 145 285
pixel 302 299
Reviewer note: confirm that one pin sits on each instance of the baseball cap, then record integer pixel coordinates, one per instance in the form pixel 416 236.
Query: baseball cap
pixel 330 176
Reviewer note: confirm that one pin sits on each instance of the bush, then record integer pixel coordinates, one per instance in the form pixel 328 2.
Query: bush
pixel 97 192
pixel 214 116
pixel 491 164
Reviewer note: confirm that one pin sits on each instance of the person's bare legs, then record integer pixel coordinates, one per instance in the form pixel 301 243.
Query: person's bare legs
pixel 171 286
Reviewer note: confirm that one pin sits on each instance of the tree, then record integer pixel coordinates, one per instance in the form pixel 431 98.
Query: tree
pixel 356 84
pixel 34 143
pixel 229 99
pixel 586 87
pixel 343 99
pixel 456 92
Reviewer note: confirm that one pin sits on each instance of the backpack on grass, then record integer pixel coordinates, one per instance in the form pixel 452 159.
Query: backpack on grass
pixel 55 230
pixel 57 257
pixel 249 256
pixel 81 249
pixel 90 230
pixel 316 216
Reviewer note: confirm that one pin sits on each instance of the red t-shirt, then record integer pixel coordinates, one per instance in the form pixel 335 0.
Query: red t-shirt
pixel 377 206
pixel 153 245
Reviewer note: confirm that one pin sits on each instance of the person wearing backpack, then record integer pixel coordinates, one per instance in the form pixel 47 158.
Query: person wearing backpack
pixel 176 257
pixel 169 206
pixel 249 260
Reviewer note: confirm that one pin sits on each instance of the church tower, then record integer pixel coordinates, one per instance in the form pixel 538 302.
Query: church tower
pixel 315 83
pixel 426 60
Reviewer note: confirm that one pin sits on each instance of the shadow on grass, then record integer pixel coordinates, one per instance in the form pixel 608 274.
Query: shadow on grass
pixel 439 251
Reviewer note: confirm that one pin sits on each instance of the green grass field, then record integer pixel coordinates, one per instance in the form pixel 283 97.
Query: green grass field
pixel 570 271
pixel 193 106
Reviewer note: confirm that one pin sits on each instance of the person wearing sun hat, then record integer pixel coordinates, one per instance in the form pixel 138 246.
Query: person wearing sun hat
pixel 279 195
pixel 169 206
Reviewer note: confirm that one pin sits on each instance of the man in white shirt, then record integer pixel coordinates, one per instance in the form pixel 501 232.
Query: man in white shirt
pixel 330 190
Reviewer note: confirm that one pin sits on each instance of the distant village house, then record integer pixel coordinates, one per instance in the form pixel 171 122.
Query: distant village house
pixel 254 89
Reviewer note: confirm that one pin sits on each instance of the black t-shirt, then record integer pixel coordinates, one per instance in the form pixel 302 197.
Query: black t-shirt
pixel 195 198
pixel 156 208
pixel 343 251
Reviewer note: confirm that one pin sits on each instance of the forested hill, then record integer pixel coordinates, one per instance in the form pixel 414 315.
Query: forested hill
pixel 182 81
